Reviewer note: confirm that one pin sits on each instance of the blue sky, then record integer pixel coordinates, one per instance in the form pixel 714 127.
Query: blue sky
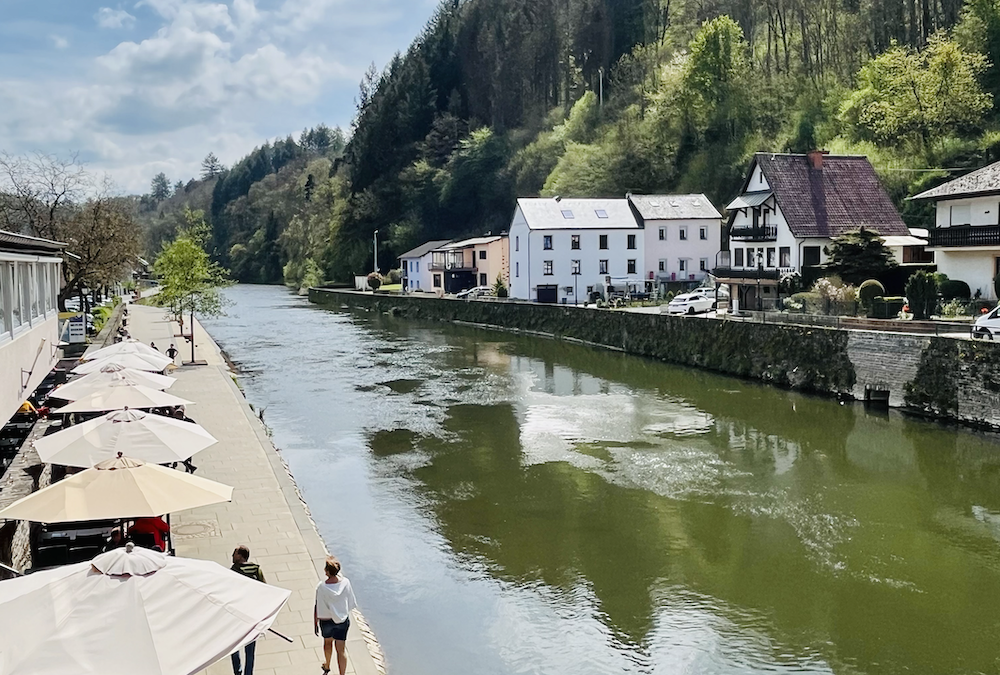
pixel 141 87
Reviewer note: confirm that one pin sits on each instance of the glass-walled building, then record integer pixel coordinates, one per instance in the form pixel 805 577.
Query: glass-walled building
pixel 30 278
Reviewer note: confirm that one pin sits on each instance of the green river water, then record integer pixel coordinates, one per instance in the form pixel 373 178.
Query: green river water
pixel 517 505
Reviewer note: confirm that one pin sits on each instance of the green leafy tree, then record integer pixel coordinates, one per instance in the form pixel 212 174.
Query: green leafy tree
pixel 159 189
pixel 190 282
pixel 717 80
pixel 859 255
pixel 918 95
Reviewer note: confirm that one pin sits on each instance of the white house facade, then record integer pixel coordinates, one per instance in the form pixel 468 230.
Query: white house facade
pixel 30 279
pixel 790 208
pixel 965 238
pixel 561 250
pixel 683 236
pixel 416 267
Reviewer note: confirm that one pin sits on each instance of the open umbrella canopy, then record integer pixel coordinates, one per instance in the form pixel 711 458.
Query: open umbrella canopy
pixel 110 374
pixel 151 362
pixel 117 488
pixel 139 435
pixel 118 395
pixel 129 346
pixel 130 611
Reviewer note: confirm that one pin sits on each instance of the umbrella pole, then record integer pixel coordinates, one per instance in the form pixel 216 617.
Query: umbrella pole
pixel 21 574
pixel 170 538
pixel 283 637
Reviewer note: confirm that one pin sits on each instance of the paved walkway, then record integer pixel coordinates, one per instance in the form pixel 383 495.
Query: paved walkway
pixel 266 513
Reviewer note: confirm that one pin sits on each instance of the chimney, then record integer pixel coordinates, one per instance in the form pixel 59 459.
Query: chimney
pixel 816 159
pixel 558 198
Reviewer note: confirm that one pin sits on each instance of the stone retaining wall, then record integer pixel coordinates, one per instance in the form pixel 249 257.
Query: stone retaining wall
pixel 941 377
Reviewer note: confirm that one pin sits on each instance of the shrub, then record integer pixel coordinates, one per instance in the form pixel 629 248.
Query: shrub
pixel 921 294
pixel 500 288
pixel 374 281
pixel 954 289
pixel 955 307
pixel 868 291
pixel 394 277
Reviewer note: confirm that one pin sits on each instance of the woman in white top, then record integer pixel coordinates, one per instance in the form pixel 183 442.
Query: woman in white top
pixel 334 602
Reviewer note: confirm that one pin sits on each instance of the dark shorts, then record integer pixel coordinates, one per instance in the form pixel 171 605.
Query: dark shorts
pixel 330 629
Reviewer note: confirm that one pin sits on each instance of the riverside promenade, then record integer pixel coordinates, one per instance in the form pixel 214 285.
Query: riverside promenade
pixel 266 513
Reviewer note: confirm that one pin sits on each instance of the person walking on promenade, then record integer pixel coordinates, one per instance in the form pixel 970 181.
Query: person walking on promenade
pixel 172 352
pixel 153 345
pixel 242 565
pixel 332 613
pixel 179 415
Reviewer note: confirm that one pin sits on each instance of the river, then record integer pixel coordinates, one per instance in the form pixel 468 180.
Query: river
pixel 508 505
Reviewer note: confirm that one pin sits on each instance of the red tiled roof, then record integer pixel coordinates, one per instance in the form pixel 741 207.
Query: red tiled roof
pixel 844 195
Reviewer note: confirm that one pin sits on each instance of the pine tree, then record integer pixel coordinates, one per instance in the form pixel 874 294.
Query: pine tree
pixel 211 166
pixel 159 189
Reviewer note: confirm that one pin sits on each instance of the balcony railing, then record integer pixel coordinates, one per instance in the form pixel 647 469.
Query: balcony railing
pixel 747 273
pixel 965 235
pixel 759 233
pixel 451 266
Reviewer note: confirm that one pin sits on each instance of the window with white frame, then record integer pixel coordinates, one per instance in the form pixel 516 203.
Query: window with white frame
pixel 574 242
pixel 4 289
pixel 575 267
pixel 547 267
pixel 517 269
pixel 24 286
pixel 663 234
pixel 631 266
pixel 547 242
pixel 631 242
pixel 13 295
pixel 663 265
pixel 703 233
pixel 738 257
pixel 703 264
pixel 40 295
pixel 517 243
pixel 602 266
pixel 683 234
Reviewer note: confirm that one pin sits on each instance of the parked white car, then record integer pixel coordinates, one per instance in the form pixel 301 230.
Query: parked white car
pixel 690 303
pixel 987 326
pixel 476 292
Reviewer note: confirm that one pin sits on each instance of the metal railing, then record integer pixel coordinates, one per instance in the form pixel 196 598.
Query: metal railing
pixel 965 235
pixel 746 273
pixel 759 233
pixel 855 323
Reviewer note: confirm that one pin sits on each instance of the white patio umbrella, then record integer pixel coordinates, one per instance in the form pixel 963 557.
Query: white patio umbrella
pixel 117 488
pixel 118 395
pixel 145 437
pixel 112 372
pixel 148 362
pixel 131 611
pixel 124 347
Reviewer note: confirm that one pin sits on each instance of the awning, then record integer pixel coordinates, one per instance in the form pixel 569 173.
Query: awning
pixel 904 241
pixel 749 200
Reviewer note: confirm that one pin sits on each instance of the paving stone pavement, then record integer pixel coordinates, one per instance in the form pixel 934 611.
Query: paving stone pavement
pixel 266 513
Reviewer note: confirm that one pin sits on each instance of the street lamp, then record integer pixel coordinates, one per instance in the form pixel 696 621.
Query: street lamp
pixel 375 253
pixel 760 273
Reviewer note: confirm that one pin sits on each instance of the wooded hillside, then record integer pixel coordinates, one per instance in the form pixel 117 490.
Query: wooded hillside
pixel 497 99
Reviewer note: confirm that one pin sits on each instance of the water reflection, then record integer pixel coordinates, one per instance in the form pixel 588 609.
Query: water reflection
pixel 514 505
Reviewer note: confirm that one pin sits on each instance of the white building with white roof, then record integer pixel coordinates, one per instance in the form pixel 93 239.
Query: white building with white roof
pixel 563 249
pixel 683 236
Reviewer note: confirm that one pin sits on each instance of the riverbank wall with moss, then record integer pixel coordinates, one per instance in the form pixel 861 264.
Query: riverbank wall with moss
pixel 940 377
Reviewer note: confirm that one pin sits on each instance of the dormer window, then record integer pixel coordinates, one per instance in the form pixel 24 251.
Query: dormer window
pixel 601 213
pixel 567 214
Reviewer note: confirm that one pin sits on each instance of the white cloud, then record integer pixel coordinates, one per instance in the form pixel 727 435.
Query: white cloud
pixel 219 75
pixel 114 18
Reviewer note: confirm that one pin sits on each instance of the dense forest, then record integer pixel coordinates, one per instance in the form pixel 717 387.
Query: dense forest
pixel 498 99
